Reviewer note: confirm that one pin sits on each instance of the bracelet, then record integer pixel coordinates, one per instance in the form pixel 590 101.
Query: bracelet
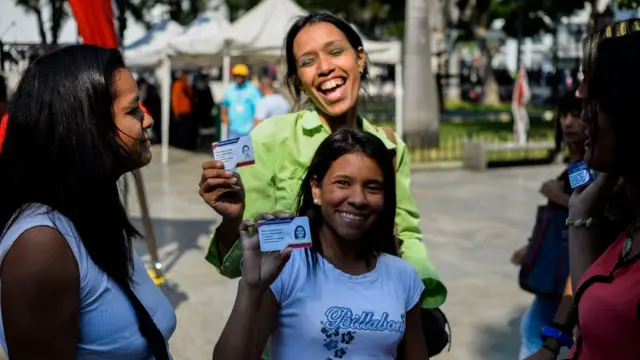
pixel 563 338
pixel 579 222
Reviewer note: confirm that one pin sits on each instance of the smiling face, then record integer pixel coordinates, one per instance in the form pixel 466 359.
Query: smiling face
pixel 351 196
pixel 328 68
pixel 131 122
pixel 300 233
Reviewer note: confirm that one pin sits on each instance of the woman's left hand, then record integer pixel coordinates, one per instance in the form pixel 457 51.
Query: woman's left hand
pixel 260 269
pixel 551 189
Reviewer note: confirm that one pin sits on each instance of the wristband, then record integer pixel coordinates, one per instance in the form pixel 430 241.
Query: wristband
pixel 561 336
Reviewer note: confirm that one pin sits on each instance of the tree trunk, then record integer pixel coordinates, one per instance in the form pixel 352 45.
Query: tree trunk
pixel 58 15
pixel 421 115
pixel 491 88
pixel 41 29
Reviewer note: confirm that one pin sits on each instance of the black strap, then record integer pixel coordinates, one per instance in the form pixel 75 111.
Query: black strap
pixel 148 328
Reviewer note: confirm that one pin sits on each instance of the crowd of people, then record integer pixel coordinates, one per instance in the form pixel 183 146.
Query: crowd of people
pixel 193 105
pixel 73 287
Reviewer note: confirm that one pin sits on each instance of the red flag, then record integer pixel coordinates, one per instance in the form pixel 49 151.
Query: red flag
pixel 95 22
pixel 3 130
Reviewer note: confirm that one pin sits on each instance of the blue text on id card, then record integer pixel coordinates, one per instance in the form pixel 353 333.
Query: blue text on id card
pixel 580 174
pixel 234 153
pixel 278 234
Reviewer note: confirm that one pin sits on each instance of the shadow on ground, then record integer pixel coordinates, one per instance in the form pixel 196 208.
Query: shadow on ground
pixel 179 237
pixel 183 233
pixel 501 342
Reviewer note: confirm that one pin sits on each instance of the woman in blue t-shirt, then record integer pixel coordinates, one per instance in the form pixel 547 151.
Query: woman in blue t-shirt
pixel 349 296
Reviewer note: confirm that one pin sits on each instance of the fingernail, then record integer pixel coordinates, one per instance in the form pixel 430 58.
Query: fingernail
pixel 234 180
pixel 228 173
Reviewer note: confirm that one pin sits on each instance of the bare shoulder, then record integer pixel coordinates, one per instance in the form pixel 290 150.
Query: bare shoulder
pixel 40 255
pixel 40 296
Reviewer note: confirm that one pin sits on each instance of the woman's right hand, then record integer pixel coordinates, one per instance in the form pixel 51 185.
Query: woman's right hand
pixel 222 190
pixel 589 201
pixel 261 269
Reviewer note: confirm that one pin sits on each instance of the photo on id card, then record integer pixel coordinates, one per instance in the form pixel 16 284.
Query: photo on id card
pixel 278 234
pixel 234 153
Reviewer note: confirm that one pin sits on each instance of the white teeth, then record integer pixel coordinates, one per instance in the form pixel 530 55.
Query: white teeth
pixel 331 84
pixel 351 216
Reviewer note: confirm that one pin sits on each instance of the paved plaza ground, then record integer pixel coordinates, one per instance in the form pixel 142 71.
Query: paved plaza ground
pixel 472 223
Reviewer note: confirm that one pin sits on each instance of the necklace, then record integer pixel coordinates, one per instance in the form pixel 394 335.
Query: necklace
pixel 627 245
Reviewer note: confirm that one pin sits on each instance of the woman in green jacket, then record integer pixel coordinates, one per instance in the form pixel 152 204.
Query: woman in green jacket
pixel 327 62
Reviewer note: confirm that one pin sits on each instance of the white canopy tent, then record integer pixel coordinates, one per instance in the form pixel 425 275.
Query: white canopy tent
pixel 149 49
pixel 202 42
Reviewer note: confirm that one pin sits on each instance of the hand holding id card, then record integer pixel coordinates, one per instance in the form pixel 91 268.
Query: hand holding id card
pixel 234 153
pixel 580 174
pixel 278 234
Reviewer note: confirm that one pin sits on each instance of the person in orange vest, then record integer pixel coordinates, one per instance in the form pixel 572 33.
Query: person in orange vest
pixel 185 125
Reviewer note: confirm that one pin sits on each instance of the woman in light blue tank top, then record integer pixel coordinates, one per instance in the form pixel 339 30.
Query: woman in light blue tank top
pixel 347 296
pixel 71 286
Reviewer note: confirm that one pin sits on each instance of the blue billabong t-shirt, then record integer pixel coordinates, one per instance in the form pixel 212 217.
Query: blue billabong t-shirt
pixel 328 314
pixel 241 102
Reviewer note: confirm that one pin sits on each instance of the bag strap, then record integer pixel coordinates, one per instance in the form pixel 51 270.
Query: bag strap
pixel 148 328
pixel 392 137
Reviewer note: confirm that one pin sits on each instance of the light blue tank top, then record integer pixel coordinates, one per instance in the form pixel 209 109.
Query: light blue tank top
pixel 108 326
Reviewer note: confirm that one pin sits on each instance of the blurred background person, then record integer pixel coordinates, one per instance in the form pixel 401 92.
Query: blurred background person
pixel 272 102
pixel 203 102
pixel 183 120
pixel 239 103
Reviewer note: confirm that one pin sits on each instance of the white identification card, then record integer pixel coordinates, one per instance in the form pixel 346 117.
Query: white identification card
pixel 234 153
pixel 278 234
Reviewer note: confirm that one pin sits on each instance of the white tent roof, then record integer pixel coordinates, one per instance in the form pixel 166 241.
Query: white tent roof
pixel 202 40
pixel 261 31
pixel 149 49
pixel 381 52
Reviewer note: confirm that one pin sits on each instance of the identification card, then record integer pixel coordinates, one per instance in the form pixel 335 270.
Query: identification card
pixel 278 234
pixel 580 175
pixel 234 153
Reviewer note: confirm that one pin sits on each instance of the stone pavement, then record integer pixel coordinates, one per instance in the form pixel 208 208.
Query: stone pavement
pixel 472 224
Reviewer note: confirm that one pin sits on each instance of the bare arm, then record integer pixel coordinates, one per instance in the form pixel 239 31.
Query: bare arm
pixel 565 317
pixel 585 242
pixel 584 249
pixel 40 292
pixel 224 114
pixel 249 326
pixel 226 235
pixel 413 345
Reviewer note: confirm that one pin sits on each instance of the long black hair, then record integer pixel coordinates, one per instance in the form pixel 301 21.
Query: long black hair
pixel 293 81
pixel 381 237
pixel 61 150
pixel 615 75
pixel 602 92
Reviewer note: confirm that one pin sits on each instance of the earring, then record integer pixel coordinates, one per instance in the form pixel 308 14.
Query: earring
pixel 315 201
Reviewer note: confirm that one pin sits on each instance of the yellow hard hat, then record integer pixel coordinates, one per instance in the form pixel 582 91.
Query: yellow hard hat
pixel 240 70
